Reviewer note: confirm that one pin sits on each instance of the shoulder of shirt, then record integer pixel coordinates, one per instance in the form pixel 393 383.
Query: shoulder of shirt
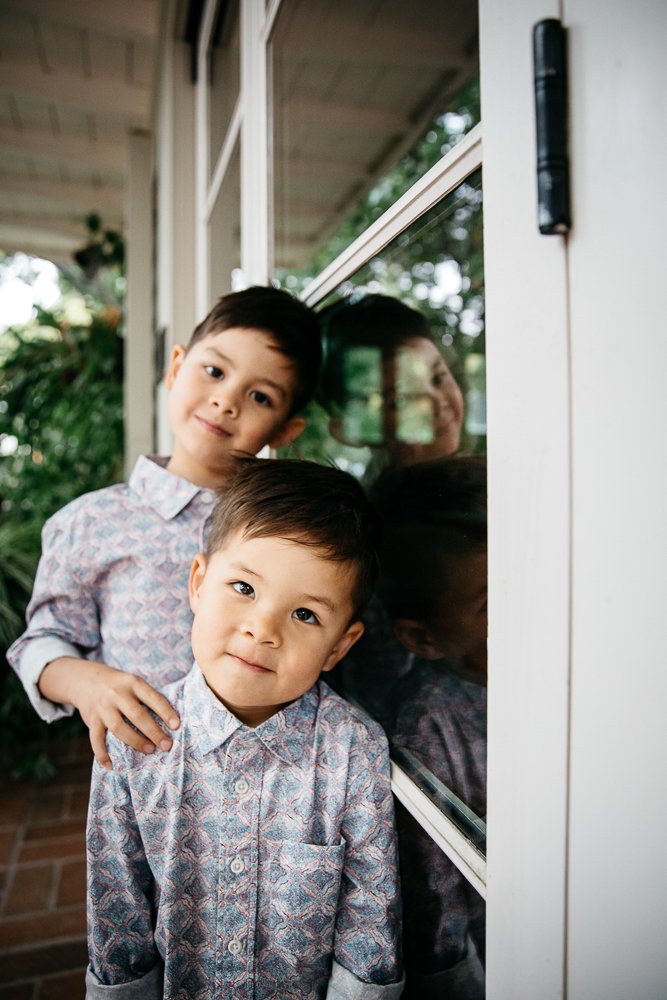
pixel 133 760
pixel 341 712
pixel 89 503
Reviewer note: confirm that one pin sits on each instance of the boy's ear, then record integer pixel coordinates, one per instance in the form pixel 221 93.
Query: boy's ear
pixel 197 574
pixel 178 353
pixel 289 432
pixel 417 638
pixel 344 644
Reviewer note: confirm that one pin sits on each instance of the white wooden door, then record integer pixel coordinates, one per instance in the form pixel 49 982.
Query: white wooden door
pixel 576 362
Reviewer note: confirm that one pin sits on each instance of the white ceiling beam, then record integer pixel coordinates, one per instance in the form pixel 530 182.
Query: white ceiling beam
pixel 356 117
pixel 108 96
pixel 409 43
pixel 54 224
pixel 31 240
pixel 104 154
pixel 305 167
pixel 129 19
pixel 87 197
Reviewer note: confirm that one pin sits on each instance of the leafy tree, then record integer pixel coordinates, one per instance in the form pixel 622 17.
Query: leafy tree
pixel 61 435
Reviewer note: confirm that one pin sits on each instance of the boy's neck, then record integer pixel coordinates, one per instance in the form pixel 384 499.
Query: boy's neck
pixel 207 479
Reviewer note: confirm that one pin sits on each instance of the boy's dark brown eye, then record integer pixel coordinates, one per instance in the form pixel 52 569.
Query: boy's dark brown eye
pixel 213 371
pixel 304 615
pixel 260 397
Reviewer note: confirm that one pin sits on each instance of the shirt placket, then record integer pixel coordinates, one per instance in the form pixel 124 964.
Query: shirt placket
pixel 238 865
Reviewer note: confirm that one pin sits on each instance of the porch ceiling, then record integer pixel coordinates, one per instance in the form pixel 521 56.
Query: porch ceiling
pixel 76 77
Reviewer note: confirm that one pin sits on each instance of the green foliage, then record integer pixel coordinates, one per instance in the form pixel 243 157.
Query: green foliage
pixel 19 545
pixel 61 402
pixel 61 435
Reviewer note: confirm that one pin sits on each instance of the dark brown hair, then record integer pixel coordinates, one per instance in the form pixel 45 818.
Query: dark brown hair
pixel 304 502
pixel 374 321
pixel 290 323
pixel 429 512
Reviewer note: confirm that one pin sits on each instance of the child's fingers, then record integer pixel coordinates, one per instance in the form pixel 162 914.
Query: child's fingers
pixel 97 733
pixel 130 737
pixel 135 712
pixel 157 703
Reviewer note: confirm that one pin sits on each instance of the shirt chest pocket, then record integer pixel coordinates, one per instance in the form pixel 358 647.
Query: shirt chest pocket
pixel 299 891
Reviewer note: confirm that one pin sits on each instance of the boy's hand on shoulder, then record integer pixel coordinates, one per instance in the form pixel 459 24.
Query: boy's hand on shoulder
pixel 109 699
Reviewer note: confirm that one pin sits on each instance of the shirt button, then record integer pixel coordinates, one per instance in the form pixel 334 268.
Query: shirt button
pixel 242 786
pixel 235 946
pixel 237 866
pixel 207 497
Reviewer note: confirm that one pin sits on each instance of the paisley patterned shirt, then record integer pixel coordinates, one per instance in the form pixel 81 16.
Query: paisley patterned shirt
pixel 112 583
pixel 249 864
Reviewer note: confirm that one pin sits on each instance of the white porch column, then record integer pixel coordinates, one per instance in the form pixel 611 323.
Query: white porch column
pixel 139 408
pixel 176 277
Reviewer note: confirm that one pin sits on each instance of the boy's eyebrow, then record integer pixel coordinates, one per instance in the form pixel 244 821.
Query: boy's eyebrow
pixel 265 381
pixel 310 598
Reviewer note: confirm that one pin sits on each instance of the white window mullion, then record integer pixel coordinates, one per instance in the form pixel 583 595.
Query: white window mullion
pixel 254 146
pixel 469 861
pixel 529 483
pixel 436 184
pixel 202 269
pixel 224 158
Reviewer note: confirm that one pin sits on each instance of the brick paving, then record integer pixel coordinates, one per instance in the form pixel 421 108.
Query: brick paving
pixel 42 880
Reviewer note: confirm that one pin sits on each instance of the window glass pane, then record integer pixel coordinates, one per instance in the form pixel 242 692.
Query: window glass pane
pixel 402 406
pixel 224 231
pixel 224 76
pixel 444 940
pixel 354 89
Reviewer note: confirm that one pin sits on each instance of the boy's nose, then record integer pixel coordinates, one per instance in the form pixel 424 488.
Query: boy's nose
pixel 262 627
pixel 224 398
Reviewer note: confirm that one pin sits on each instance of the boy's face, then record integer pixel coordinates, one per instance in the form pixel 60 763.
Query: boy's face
pixel 230 394
pixel 424 404
pixel 458 626
pixel 270 615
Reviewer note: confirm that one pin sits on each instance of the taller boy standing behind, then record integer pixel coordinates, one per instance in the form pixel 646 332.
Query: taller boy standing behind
pixel 258 859
pixel 109 620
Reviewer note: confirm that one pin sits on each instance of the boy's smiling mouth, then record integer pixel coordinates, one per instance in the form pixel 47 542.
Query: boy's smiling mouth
pixel 248 664
pixel 212 428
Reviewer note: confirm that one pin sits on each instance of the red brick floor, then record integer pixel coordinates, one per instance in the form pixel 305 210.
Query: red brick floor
pixel 42 880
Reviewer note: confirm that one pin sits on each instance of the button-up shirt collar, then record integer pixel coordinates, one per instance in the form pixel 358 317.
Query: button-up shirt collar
pixel 167 494
pixel 286 734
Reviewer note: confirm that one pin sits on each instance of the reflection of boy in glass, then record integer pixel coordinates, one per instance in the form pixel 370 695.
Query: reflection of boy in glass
pixel 433 584
pixel 386 384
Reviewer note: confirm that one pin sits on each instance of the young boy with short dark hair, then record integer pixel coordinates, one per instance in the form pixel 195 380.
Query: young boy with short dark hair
pixel 108 621
pixel 258 858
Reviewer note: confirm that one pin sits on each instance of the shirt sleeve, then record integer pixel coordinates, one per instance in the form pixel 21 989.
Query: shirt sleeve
pixel 149 987
pixel 367 937
pixel 121 890
pixel 62 616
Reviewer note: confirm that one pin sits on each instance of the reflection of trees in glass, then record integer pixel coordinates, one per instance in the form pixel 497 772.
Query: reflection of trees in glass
pixel 436 266
pixel 442 135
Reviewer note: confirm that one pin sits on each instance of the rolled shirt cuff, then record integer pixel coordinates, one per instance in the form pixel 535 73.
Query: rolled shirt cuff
pixel 343 985
pixel 149 987
pixel 37 653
